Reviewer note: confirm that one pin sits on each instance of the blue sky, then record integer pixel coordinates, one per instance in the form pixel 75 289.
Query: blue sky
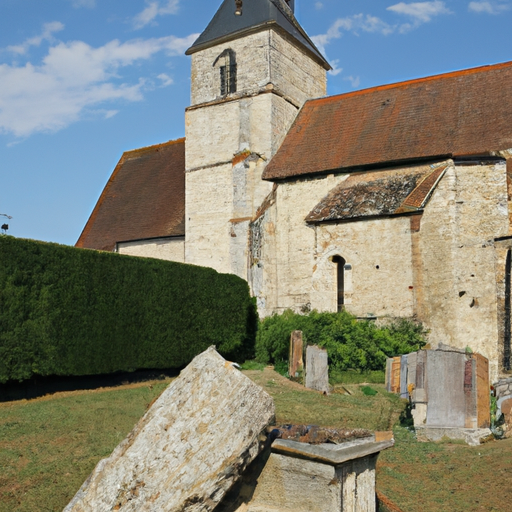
pixel 81 81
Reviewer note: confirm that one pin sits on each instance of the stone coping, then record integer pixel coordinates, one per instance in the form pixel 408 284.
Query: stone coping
pixel 333 455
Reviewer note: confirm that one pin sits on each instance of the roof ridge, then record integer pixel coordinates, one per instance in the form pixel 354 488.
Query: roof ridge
pixel 398 85
pixel 146 149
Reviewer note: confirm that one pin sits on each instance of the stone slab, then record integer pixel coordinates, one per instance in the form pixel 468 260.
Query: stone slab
pixel 188 449
pixel 445 389
pixel 317 369
pixel 296 362
pixel 334 456
pixel 472 436
pixel 404 393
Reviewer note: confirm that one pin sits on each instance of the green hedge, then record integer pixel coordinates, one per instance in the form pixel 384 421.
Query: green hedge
pixel 68 311
pixel 351 344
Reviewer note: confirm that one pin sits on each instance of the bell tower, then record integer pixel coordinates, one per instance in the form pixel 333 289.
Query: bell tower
pixel 253 68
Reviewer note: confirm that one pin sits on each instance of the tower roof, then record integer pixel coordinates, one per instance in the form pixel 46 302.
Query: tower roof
pixel 256 15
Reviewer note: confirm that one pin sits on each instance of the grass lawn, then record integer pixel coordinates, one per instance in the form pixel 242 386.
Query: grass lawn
pixel 48 446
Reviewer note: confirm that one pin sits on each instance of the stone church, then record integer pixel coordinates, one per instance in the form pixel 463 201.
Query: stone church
pixel 389 202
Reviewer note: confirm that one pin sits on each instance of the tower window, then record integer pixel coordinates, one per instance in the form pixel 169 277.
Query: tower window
pixel 226 62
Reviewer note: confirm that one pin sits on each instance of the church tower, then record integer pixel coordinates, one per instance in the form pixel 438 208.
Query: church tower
pixel 252 70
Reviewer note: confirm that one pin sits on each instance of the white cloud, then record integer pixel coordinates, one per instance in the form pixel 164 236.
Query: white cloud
pixel 83 3
pixel 335 69
pixel 72 80
pixel 319 5
pixel 354 81
pixel 488 7
pixel 420 12
pixel 166 79
pixel 47 35
pixel 357 23
pixel 154 9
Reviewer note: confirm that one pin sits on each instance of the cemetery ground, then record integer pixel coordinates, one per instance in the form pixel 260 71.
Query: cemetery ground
pixel 49 445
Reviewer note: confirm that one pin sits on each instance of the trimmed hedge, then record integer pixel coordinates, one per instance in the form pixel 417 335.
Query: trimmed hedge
pixel 68 311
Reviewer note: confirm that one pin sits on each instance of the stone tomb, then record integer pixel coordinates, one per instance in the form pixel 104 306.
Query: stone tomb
pixel 202 446
pixel 293 476
pixel 188 449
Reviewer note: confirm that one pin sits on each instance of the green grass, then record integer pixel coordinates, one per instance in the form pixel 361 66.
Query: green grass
pixel 49 446
pixel 253 365
pixel 295 404
pixel 446 476
pixel 354 377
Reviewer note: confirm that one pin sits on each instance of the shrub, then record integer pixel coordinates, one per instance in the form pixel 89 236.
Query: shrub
pixel 350 343
pixel 68 311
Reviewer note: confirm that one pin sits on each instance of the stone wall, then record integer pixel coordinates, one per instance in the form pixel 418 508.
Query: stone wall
pixel 231 139
pixel 171 249
pixel 459 293
pixel 262 58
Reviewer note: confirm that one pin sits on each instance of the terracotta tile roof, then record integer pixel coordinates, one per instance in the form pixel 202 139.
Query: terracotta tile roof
pixel 378 193
pixel 462 113
pixel 144 198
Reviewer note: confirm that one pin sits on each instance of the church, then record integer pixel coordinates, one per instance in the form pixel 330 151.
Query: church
pixel 389 202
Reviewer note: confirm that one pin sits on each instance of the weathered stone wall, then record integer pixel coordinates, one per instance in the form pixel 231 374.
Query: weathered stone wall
pixel 286 256
pixel 262 58
pixel 293 73
pixel 300 271
pixel 459 303
pixel 230 140
pixel 380 280
pixel 161 248
pixel 224 190
pixel 208 206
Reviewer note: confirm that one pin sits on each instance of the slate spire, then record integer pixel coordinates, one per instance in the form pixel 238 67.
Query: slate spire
pixel 256 15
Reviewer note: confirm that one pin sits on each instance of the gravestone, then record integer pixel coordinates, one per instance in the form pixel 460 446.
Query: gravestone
pixel 445 389
pixel 296 362
pixel 404 393
pixel 188 449
pixel 317 369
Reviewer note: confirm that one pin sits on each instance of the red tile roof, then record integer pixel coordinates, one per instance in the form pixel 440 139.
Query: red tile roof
pixel 462 113
pixel 144 198
pixel 378 193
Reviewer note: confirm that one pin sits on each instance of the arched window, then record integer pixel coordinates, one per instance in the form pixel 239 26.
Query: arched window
pixel 226 62
pixel 340 280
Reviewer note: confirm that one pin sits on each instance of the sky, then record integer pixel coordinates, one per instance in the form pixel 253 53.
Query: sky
pixel 82 81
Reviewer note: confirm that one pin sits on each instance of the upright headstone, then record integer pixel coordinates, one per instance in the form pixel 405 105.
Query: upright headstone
pixel 483 398
pixel 404 393
pixel 395 375
pixel 445 388
pixel 389 368
pixel 296 361
pixel 317 369
pixel 412 361
pixel 188 449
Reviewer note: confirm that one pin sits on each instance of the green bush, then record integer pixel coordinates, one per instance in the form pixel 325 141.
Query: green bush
pixel 68 311
pixel 350 343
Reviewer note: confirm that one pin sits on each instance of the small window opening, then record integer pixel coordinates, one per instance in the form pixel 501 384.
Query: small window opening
pixel 340 280
pixel 227 69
